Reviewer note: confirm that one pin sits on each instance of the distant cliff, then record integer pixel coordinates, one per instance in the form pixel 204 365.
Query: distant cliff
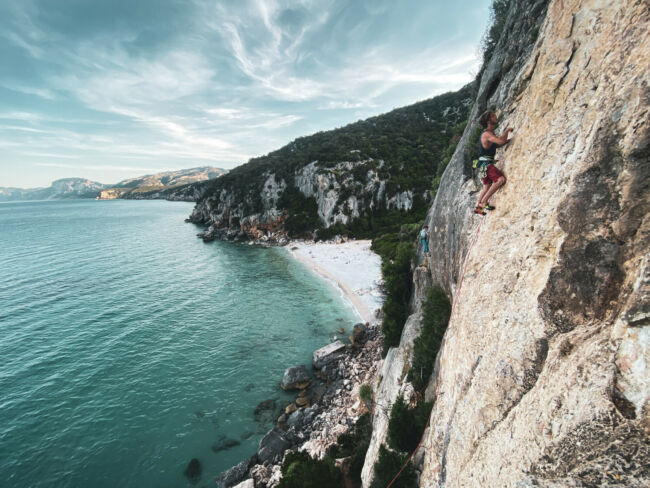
pixel 348 176
pixel 59 189
pixel 543 377
pixel 170 185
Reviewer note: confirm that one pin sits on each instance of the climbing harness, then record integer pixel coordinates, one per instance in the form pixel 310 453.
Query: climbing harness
pixel 451 316
pixel 482 164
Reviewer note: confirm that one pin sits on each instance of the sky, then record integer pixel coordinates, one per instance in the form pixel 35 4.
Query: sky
pixel 113 89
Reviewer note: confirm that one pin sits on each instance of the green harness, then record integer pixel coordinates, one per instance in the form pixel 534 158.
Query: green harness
pixel 482 164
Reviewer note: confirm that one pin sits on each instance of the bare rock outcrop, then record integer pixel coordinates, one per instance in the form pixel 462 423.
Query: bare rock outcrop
pixel 392 381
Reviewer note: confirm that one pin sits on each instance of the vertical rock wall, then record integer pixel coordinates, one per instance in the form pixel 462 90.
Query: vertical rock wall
pixel 543 377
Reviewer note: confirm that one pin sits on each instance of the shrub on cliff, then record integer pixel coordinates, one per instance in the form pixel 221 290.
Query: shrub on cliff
pixel 354 444
pixel 365 393
pixel 498 13
pixel 388 465
pixel 302 212
pixel 406 425
pixel 299 470
pixel 445 157
pixel 397 280
pixel 435 317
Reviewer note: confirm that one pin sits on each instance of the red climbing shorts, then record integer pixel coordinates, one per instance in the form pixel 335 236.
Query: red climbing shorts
pixel 493 174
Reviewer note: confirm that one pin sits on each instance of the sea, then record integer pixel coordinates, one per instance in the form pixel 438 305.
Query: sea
pixel 128 346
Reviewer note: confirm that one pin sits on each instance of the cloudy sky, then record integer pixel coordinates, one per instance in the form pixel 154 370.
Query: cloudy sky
pixel 112 89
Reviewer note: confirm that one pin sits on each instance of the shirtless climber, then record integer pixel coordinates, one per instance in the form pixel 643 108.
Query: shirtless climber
pixel 490 175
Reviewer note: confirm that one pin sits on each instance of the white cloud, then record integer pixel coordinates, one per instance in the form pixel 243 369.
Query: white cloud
pixel 29 90
pixel 101 167
pixel 245 80
pixel 276 123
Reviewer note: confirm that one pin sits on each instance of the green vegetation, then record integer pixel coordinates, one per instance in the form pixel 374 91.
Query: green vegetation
pixel 403 147
pixel 397 280
pixel 365 393
pixel 388 465
pixel 498 13
pixel 302 212
pixel 471 149
pixel 405 429
pixel 355 445
pixel 406 425
pixel 299 470
pixel 435 316
pixel 445 157
pixel 377 223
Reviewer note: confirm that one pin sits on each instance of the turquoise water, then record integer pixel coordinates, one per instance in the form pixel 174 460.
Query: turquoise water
pixel 128 346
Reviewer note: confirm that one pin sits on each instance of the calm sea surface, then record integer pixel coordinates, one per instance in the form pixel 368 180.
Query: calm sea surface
pixel 128 346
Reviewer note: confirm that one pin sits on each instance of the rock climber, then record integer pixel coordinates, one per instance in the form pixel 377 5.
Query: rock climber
pixel 490 175
pixel 424 237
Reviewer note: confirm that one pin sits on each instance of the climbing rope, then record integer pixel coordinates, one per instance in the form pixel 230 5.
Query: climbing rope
pixel 453 307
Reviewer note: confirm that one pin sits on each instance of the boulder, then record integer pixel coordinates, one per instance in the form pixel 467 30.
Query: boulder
pixel 327 354
pixel 249 483
pixel 193 471
pixel 261 474
pixel 296 419
pixel 295 378
pixel 292 407
pixel 272 446
pixel 236 474
pixel 301 418
pixel 302 401
pixel 358 333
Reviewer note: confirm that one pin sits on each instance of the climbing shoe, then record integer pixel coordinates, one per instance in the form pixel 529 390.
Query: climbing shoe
pixel 489 207
pixel 480 211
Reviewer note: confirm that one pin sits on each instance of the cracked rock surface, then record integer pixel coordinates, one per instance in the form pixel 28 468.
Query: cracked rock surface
pixel 543 377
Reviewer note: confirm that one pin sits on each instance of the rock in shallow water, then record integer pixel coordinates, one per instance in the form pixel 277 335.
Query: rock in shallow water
pixel 327 354
pixel 265 411
pixel 272 446
pixel 224 443
pixel 193 471
pixel 295 378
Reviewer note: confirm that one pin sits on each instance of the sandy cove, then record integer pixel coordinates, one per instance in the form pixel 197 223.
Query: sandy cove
pixel 351 267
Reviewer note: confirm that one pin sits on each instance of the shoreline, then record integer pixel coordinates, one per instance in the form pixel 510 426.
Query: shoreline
pixel 351 267
pixel 330 404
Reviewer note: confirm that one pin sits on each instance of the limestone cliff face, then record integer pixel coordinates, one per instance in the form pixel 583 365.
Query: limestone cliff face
pixel 364 171
pixel 339 196
pixel 228 215
pixel 330 185
pixel 543 377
